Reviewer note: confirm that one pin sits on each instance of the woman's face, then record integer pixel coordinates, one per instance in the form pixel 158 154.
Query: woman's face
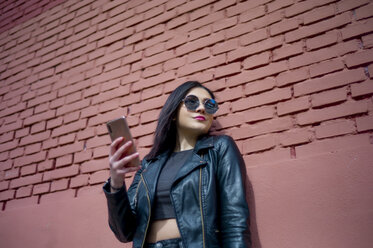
pixel 194 122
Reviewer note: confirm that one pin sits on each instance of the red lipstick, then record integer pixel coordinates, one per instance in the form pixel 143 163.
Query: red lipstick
pixel 200 118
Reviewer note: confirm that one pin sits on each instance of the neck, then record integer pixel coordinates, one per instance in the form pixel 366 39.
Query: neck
pixel 185 141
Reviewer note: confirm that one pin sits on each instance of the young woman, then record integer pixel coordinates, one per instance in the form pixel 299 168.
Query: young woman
pixel 189 190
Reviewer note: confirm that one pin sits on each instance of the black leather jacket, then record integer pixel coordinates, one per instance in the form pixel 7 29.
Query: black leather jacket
pixel 208 195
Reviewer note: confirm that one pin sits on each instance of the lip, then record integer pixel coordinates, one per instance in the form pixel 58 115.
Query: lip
pixel 200 118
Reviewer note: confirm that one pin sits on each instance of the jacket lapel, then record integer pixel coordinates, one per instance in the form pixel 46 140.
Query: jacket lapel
pixel 151 174
pixel 196 160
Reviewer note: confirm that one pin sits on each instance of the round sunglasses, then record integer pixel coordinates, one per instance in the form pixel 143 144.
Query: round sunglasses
pixel 191 102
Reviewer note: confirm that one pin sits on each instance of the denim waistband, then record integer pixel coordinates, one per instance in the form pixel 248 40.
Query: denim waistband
pixel 168 243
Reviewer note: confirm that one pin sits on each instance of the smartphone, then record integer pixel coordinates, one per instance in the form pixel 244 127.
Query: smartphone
pixel 119 128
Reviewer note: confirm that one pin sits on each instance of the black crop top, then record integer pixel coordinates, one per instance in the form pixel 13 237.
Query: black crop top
pixel 162 208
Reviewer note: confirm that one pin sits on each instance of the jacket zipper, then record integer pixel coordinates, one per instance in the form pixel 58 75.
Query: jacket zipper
pixel 200 205
pixel 150 207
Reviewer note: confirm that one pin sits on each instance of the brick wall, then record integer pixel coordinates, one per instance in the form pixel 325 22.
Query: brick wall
pixel 293 79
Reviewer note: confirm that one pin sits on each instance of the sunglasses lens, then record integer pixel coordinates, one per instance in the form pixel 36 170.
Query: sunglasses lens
pixel 211 106
pixel 191 102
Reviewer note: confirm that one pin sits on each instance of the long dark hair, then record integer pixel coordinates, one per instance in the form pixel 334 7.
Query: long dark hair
pixel 166 131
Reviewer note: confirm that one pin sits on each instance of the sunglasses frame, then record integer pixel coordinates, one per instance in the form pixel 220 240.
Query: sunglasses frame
pixel 207 109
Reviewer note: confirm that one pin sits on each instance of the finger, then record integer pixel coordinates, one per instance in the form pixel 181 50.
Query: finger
pixel 126 160
pixel 114 145
pixel 121 150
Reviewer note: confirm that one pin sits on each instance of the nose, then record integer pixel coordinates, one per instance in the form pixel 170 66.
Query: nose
pixel 201 108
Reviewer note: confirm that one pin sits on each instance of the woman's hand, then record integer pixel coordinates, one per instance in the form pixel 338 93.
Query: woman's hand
pixel 119 161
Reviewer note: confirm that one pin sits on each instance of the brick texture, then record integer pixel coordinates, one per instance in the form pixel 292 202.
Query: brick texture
pixel 289 75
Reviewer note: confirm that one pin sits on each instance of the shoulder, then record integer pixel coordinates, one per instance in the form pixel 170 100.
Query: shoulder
pixel 223 141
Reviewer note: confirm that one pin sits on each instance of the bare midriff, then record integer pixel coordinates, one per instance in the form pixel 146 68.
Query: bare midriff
pixel 162 229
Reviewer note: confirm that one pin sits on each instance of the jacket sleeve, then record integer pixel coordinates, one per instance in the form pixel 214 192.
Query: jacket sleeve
pixel 122 216
pixel 234 211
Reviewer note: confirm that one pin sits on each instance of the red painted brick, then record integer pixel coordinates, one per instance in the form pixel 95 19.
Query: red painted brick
pixel 255 48
pixel 12 110
pixel 262 72
pixel 12 173
pixel 364 12
pixel 343 6
pixel 263 127
pixel 292 106
pixel 287 51
pixel 326 67
pixel 342 110
pixel 258 114
pixel 7 195
pixel 79 181
pixel 362 89
pixel 335 128
pixel 201 65
pixel 66 149
pixel 152 71
pixel 318 14
pixel 99 177
pixel 364 123
pixel 82 156
pixel 38 127
pixel 259 144
pixel 103 118
pixel 86 133
pixel 41 188
pixel 252 14
pixel 100 152
pixel 232 68
pixel 64 172
pixel 244 6
pixel 229 94
pixel 293 76
pixel 317 28
pixel 359 58
pixel 143 129
pixel 28 170
pixel 94 165
pixel 367 41
pixel 295 137
pixel 329 81
pixel 283 26
pixel 201 12
pixel 156 20
pixel 98 141
pixel 23 181
pixel 239 29
pixel 4 185
pixel 33 148
pixel 64 160
pixel 268 97
pixel 24 191
pixel 60 184
pixel 37 157
pixel 223 24
pixel 198 55
pixel 259 86
pixel 174 63
pixel 72 127
pixel 329 97
pixel 357 29
pixel 40 117
pixel 200 43
pixel 45 165
pixel 267 20
pixel 257 60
